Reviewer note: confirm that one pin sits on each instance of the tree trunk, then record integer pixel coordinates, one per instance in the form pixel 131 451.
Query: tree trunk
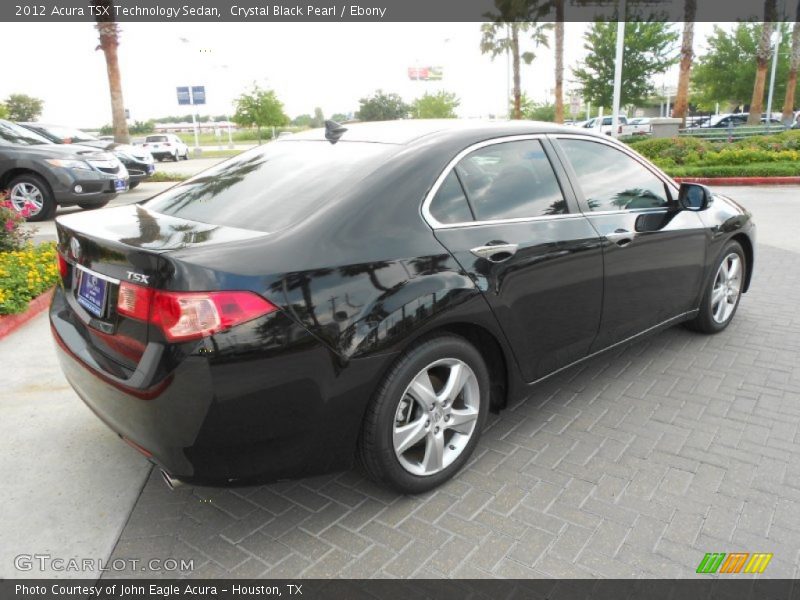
pixel 687 54
pixel 515 67
pixel 109 41
pixel 559 61
pixel 791 83
pixel 762 62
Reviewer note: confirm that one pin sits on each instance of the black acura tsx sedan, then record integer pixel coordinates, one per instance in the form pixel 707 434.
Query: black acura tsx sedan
pixel 371 291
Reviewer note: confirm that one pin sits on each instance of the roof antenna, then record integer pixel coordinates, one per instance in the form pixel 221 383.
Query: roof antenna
pixel 333 131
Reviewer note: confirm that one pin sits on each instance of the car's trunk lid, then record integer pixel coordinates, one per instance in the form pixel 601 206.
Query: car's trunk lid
pixel 129 244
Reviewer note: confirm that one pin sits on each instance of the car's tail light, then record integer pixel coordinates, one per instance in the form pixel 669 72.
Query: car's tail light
pixel 183 316
pixel 167 144
pixel 620 129
pixel 134 301
pixel 63 266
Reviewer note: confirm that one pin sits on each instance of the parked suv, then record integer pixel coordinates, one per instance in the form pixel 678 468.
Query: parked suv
pixel 137 160
pixel 41 175
pixel 166 145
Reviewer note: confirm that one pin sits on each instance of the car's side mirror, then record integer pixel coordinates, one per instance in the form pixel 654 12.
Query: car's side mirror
pixel 693 196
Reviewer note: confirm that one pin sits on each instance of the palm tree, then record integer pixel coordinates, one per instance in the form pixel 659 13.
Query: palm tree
pixel 762 62
pixel 109 41
pixel 502 35
pixel 687 54
pixel 559 61
pixel 794 63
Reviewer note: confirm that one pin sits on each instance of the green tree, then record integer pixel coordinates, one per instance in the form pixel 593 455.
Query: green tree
pixel 140 127
pixel 727 70
pixel 339 117
pixel 21 107
pixel 440 105
pixel 535 111
pixel 382 107
pixel 512 23
pixel 3 111
pixel 649 49
pixel 259 108
pixel 318 119
pixel 302 120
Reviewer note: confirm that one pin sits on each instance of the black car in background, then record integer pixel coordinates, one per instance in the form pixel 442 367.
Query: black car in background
pixel 41 175
pixel 374 290
pixel 137 160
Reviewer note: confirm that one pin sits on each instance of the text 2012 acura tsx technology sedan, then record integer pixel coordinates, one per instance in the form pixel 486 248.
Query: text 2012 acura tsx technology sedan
pixel 372 291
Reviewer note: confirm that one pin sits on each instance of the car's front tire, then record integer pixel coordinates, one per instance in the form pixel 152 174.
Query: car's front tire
pixel 426 416
pixel 176 157
pixel 723 292
pixel 133 184
pixel 31 191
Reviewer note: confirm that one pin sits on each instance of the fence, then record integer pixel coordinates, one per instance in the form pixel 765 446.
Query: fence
pixel 730 134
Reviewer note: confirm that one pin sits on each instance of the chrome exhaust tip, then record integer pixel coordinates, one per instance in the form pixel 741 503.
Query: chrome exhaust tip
pixel 172 482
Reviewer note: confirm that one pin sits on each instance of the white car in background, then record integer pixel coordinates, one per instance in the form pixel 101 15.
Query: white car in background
pixel 166 145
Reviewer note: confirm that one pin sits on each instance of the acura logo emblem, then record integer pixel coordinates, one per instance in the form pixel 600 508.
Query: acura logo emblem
pixel 75 248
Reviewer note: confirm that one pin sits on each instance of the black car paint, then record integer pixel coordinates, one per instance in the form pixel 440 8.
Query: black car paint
pixel 285 394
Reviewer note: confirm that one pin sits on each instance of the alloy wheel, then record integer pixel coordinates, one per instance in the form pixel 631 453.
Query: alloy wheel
pixel 727 288
pixel 436 417
pixel 27 195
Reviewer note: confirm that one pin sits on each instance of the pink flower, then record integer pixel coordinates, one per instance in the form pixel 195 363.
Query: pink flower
pixel 9 226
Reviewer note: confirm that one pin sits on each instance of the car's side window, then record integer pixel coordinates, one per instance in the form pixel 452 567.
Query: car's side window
pixel 450 205
pixel 612 180
pixel 511 180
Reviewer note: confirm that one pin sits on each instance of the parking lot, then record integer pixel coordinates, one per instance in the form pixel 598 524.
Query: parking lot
pixel 634 464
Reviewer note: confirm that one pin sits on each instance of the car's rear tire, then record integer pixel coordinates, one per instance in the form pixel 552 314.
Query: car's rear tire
pixel 31 190
pixel 723 291
pixel 92 206
pixel 176 157
pixel 426 416
pixel 186 156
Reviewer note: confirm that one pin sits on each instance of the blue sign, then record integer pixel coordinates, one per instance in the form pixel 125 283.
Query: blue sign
pixel 198 94
pixel 183 95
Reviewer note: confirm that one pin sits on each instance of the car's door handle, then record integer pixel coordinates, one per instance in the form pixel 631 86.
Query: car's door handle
pixel 495 252
pixel 620 237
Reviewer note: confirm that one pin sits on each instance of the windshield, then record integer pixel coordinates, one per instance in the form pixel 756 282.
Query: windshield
pixel 273 186
pixel 155 138
pixel 14 135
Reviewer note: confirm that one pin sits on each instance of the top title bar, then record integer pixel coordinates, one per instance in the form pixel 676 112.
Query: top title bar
pixel 373 10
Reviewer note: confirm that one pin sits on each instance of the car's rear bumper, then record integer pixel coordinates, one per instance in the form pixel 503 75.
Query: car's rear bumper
pixel 287 409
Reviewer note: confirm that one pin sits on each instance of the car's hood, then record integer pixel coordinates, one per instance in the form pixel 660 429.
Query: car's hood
pixel 130 149
pixel 74 151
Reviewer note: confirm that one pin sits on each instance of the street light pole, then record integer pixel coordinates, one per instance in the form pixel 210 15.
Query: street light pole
pixel 772 75
pixel 618 68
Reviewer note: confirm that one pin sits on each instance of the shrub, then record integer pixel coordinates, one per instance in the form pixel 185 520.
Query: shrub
pixel 24 274
pixel 768 169
pixel 12 235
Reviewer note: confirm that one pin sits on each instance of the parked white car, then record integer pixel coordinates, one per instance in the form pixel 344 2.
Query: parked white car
pixel 166 145
pixel 638 126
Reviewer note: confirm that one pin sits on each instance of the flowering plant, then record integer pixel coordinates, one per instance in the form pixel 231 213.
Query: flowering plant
pixel 12 235
pixel 26 273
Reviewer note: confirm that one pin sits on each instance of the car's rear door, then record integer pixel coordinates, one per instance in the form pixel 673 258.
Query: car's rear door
pixel 501 210
pixel 653 252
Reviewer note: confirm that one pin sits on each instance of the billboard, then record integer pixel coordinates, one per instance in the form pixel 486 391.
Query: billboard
pixel 425 73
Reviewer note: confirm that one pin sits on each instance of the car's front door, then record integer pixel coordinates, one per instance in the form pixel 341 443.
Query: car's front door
pixel 500 210
pixel 653 252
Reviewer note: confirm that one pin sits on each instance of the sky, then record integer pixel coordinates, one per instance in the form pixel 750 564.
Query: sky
pixel 330 65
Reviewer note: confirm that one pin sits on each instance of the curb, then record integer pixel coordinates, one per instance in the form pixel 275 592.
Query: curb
pixel 10 323
pixel 792 180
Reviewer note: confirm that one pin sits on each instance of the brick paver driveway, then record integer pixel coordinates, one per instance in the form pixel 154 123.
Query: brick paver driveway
pixel 633 465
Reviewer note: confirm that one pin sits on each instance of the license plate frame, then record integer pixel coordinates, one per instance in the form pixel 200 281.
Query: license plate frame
pixel 120 185
pixel 92 292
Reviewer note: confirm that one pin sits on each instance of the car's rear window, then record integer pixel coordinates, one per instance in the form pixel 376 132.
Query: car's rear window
pixel 273 186
pixel 155 138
